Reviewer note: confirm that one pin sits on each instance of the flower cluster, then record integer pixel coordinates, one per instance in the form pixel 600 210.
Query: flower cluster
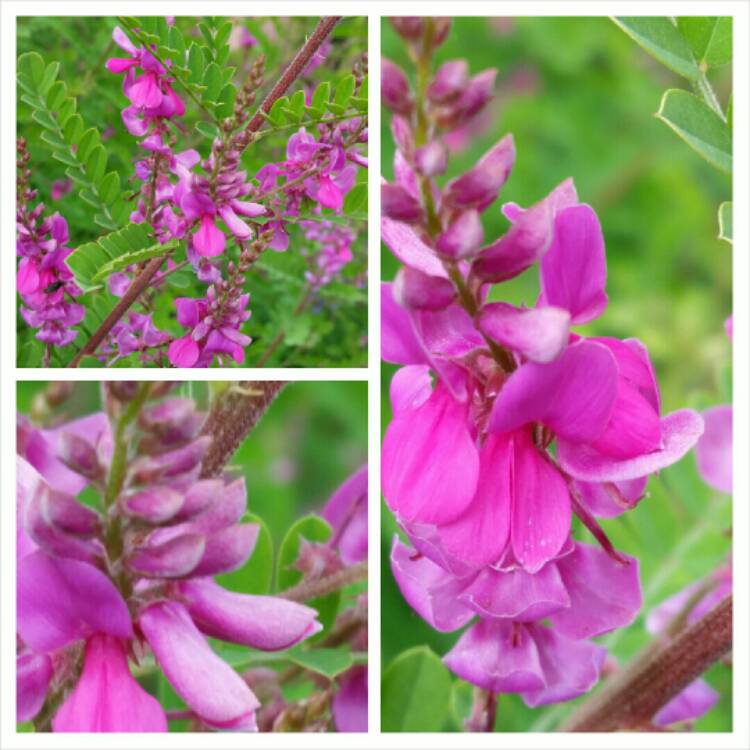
pixel 44 281
pixel 506 421
pixel 130 578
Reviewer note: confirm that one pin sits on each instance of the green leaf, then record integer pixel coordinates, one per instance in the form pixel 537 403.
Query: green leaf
pixel 127 259
pixel 49 77
pixel 208 129
pixel 256 575
pixel 725 221
pixel 329 662
pixel 710 38
pixel 462 699
pixel 87 260
pixel 699 126
pixel 297 103
pixel 195 62
pixel 321 96
pixel 415 692
pixel 364 88
pixel 344 91
pixel 88 140
pixel 54 139
pixel 660 38
pixel 356 199
pixel 32 66
pixel 275 115
pixel 56 95
pixel 30 354
pixel 96 164
pixel 223 34
pixel 213 81
pixel 73 129
pixel 109 189
pixel 226 97
pixel 45 119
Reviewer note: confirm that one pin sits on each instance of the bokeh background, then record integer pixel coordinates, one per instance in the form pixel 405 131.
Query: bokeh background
pixel 332 332
pixel 579 97
pixel 311 438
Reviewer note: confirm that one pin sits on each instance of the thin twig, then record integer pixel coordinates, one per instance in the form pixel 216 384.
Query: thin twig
pixel 632 698
pixel 307 590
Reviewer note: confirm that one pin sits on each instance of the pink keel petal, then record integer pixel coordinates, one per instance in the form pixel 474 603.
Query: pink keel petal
pixel 494 657
pixel 429 589
pixel 574 269
pixel 404 243
pixel 60 601
pixel 227 550
pixel 183 352
pixel 173 559
pixel 541 506
pixel 236 226
pixel 430 464
pixel 410 387
pixel 346 511
pixel 714 449
pixel 538 335
pixel 28 279
pixel 33 675
pixel 268 623
pixel 605 594
pixel 107 698
pixel 680 432
pixel 206 683
pixel 574 395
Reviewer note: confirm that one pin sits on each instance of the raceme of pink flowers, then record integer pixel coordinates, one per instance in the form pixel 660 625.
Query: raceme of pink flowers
pixel 87 611
pixel 506 420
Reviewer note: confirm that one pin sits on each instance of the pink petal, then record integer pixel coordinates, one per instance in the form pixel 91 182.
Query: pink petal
pixel 172 559
pixel 517 594
pixel 493 655
pixel 349 705
pixel 60 601
pixel 680 432
pixel 236 226
pixel 227 550
pixel 120 64
pixel 573 272
pixel 610 499
pixel 346 511
pixel 429 589
pixel 604 594
pixel 122 40
pixel 540 521
pixel 268 623
pixel 574 395
pixel 571 668
pixel 107 698
pixel 206 683
pixel 145 92
pixel 209 240
pixel 714 450
pixel 404 243
pixel 410 387
pixel 430 464
pixel 539 334
pixel 247 208
pixel 28 278
pixel 184 352
pixel 33 676
pixel 697 699
pixel 527 240
pixel 417 291
pixel 480 534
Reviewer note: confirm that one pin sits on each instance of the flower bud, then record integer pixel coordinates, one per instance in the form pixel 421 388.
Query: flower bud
pixel 462 238
pixel 155 504
pixel 402 136
pixel 228 549
pixel 419 291
pixel 154 468
pixel 449 82
pixel 65 513
pixel 398 204
pixel 173 559
pixel 431 159
pixel 79 455
pixel 479 187
pixel 410 28
pixel 394 88
pixel 473 99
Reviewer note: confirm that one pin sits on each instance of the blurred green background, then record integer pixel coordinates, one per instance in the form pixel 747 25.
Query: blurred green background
pixel 330 332
pixel 308 442
pixel 578 96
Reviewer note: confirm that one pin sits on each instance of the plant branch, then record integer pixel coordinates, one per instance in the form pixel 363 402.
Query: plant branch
pixel 307 590
pixel 231 418
pixel 136 288
pixel 632 698
pixel 293 71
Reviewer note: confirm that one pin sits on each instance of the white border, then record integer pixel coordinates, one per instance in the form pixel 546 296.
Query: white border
pixel 739 738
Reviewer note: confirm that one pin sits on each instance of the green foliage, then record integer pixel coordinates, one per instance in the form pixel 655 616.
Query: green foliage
pixel 256 575
pixel 112 252
pixel 328 662
pixel 699 126
pixel 710 38
pixel 725 221
pixel 416 693
pixel 71 143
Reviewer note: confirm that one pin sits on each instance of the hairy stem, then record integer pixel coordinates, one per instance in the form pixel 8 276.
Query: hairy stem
pixel 294 70
pixel 231 418
pixel 632 698
pixel 307 590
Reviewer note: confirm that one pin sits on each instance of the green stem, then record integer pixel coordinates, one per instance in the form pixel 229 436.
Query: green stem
pixel 704 88
pixel 119 464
